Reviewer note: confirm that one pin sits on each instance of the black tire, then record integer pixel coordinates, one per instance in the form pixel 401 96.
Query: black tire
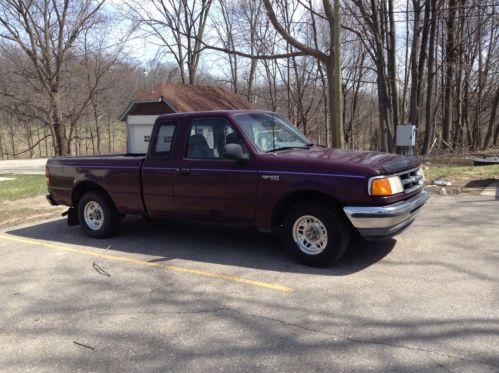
pixel 322 252
pixel 106 221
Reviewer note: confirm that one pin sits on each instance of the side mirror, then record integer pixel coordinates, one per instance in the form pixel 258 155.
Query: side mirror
pixel 235 152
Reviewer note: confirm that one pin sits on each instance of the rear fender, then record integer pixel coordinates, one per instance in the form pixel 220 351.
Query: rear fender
pixel 83 186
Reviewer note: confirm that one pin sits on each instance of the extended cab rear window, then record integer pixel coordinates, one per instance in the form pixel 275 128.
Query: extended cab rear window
pixel 164 139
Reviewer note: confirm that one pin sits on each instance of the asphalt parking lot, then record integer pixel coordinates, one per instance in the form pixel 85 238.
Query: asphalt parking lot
pixel 175 296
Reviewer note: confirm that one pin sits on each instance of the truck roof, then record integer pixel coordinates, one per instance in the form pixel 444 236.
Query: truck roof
pixel 210 113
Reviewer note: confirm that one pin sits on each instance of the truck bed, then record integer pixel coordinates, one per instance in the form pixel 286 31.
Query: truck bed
pixel 118 175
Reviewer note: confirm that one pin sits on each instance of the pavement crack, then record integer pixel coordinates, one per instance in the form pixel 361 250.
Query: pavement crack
pixel 206 310
pixel 440 364
pixel 212 310
pixel 367 342
pixel 84 345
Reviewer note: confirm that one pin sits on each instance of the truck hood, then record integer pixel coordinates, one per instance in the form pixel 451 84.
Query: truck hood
pixel 350 161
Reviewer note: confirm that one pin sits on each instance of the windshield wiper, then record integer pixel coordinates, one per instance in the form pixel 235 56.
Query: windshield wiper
pixel 286 148
pixel 309 145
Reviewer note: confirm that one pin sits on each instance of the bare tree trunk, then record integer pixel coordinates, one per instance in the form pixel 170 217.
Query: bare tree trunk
pixel 12 134
pixel 385 67
pixel 97 148
pixel 457 123
pixel 406 59
pixel 430 78
pixel 358 76
pixel 331 61
pixel 335 73
pixel 417 63
pixel 413 100
pixel 251 79
pixel 496 135
pixel 60 147
pixel 1 144
pixel 109 140
pixel 392 72
pixel 331 92
pixel 326 100
pixel 28 133
pixel 38 129
pixel 477 140
pixel 46 140
pixel 492 121
pixel 270 74
pixel 323 78
pixel 449 75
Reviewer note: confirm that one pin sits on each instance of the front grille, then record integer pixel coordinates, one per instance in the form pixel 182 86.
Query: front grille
pixel 412 180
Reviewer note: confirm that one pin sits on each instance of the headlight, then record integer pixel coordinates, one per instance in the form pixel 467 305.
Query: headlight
pixel 385 186
pixel 420 173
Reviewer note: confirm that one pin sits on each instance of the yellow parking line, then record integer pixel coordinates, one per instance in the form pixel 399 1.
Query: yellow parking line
pixel 262 284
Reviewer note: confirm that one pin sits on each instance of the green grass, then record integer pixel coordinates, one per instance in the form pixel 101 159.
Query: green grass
pixel 23 186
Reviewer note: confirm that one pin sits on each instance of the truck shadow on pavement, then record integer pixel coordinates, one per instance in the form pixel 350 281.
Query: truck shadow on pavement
pixel 167 240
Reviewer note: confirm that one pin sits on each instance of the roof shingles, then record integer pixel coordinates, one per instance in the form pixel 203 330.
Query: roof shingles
pixel 188 98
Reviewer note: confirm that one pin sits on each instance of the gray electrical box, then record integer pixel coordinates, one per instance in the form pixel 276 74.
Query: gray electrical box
pixel 406 135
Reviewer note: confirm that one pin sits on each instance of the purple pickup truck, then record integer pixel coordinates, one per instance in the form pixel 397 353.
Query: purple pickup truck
pixel 249 168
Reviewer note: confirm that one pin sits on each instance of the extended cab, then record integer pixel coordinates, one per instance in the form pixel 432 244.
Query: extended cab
pixel 244 167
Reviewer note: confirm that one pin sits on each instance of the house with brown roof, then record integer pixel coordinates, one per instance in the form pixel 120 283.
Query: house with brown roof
pixel 141 113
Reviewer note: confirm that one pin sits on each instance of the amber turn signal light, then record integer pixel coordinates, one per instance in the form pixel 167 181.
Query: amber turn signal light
pixel 381 187
pixel 386 186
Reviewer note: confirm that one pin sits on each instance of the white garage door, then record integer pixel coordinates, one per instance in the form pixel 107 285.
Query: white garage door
pixel 140 135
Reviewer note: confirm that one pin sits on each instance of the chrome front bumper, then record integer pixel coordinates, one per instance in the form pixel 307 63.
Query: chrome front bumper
pixel 385 221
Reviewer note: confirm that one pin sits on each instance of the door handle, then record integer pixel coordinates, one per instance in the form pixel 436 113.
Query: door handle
pixel 184 171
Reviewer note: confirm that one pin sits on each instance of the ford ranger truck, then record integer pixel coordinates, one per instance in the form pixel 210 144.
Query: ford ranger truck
pixel 251 168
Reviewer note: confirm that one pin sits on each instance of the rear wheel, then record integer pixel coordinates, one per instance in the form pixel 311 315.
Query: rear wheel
pixel 315 233
pixel 98 216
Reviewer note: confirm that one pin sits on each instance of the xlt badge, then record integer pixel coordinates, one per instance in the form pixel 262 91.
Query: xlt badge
pixel 270 177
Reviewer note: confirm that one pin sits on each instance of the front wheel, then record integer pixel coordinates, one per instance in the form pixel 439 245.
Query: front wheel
pixel 315 233
pixel 98 216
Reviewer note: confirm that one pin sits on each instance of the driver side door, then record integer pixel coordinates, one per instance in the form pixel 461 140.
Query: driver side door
pixel 207 184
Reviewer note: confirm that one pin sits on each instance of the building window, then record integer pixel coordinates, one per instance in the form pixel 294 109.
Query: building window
pixel 147 138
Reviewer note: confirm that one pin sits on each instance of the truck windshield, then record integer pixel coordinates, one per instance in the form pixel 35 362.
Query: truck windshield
pixel 271 132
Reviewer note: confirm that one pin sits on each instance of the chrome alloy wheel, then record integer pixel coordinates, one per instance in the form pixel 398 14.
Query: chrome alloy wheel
pixel 310 234
pixel 93 215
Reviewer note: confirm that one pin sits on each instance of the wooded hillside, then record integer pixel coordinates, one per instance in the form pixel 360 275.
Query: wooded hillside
pixel 344 72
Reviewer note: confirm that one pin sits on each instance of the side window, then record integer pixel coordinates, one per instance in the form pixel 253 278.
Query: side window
pixel 164 139
pixel 208 138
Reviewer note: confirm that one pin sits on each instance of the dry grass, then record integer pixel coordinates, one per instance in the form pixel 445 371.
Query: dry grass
pixel 11 217
pixel 23 200
pixel 463 176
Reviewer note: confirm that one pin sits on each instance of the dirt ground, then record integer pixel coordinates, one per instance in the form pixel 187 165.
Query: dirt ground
pixel 27 210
